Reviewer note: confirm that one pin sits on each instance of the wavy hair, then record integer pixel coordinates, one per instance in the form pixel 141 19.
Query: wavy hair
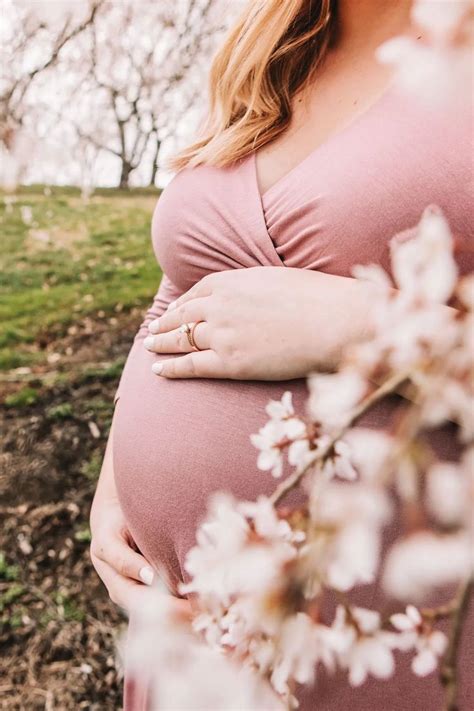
pixel 271 53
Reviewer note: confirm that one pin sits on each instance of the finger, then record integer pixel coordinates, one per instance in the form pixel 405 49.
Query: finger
pixel 202 288
pixel 124 592
pixel 124 560
pixel 131 595
pixel 195 310
pixel 177 341
pixel 201 364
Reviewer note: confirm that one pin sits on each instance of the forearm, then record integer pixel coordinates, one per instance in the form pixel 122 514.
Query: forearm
pixel 106 483
pixel 348 320
pixel 341 315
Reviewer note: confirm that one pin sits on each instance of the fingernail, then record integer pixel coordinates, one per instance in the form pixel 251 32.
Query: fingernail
pixel 154 326
pixel 149 342
pixel 171 305
pixel 157 368
pixel 146 575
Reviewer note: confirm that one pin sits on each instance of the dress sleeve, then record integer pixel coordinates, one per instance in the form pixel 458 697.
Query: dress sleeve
pixel 166 293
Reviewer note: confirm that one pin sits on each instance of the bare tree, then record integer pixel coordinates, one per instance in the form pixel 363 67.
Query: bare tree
pixel 116 80
pixel 143 58
pixel 29 27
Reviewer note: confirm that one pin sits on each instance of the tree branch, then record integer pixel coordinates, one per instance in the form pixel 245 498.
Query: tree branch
pixel 388 387
pixel 449 670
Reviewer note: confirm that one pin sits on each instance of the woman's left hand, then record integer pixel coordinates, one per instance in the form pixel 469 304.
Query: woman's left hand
pixel 261 323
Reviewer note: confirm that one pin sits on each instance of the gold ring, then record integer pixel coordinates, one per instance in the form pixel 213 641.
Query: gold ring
pixel 186 328
pixel 191 338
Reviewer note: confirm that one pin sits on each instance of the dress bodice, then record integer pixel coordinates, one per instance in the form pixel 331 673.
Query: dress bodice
pixel 338 207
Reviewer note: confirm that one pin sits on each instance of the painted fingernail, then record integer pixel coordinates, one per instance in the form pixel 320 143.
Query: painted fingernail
pixel 157 368
pixel 172 306
pixel 149 342
pixel 146 575
pixel 154 326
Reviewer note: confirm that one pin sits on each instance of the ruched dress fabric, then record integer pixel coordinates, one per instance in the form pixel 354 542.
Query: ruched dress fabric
pixel 178 441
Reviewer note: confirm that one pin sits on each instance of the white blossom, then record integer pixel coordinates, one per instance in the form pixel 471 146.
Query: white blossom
pixel 438 67
pixel 227 561
pixel 424 266
pixel 339 464
pixel 281 409
pixel 266 521
pixel 449 491
pixel 364 648
pixel 162 650
pixel 424 561
pixel 432 74
pixel 409 621
pixel 350 517
pixel 369 452
pixel 411 324
pixel 302 644
pixel 430 647
pixel 278 433
pixel 373 273
pixel 441 18
pixel 446 389
pixel 429 644
pixel 333 397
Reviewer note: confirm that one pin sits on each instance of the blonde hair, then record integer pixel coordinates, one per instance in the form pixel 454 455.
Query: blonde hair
pixel 272 52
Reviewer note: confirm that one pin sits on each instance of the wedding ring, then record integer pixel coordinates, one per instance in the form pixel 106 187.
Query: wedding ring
pixel 191 338
pixel 189 331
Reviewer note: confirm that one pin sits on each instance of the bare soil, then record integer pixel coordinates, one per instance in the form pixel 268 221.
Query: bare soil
pixel 59 632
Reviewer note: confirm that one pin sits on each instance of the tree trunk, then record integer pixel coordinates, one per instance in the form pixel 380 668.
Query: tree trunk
pixel 154 167
pixel 125 175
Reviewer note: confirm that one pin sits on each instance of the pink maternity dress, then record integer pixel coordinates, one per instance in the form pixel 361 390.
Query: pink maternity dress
pixel 177 441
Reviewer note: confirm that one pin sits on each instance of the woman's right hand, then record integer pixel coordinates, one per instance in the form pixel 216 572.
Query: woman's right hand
pixel 123 570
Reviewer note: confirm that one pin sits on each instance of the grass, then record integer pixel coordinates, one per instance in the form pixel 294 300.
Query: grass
pixel 7 571
pixel 59 412
pixel 91 467
pixel 11 594
pixel 62 259
pixel 109 372
pixel 23 398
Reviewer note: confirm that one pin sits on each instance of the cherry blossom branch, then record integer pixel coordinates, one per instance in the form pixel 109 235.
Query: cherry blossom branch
pixel 389 386
pixel 449 671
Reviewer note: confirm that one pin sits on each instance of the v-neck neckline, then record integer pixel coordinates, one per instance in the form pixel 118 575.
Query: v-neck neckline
pixel 293 172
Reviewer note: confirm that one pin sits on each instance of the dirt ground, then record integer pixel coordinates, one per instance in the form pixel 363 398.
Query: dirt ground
pixel 59 632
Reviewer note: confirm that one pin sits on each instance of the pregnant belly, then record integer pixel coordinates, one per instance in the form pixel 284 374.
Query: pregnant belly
pixel 178 441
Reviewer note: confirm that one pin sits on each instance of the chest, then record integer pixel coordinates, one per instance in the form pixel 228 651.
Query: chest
pixel 344 89
pixel 340 206
pixel 352 194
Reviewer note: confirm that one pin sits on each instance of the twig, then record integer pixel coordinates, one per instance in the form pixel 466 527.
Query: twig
pixel 449 671
pixel 389 386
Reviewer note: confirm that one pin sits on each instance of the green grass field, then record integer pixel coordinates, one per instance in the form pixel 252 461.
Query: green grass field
pixel 62 259
pixel 74 279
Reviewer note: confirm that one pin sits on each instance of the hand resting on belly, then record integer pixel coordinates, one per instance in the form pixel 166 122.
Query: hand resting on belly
pixel 262 323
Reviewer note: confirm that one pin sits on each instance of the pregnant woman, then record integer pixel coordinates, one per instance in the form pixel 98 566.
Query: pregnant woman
pixel 311 161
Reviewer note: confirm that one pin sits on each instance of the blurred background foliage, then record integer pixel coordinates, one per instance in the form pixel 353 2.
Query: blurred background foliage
pixel 99 92
pixel 94 94
pixel 65 258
